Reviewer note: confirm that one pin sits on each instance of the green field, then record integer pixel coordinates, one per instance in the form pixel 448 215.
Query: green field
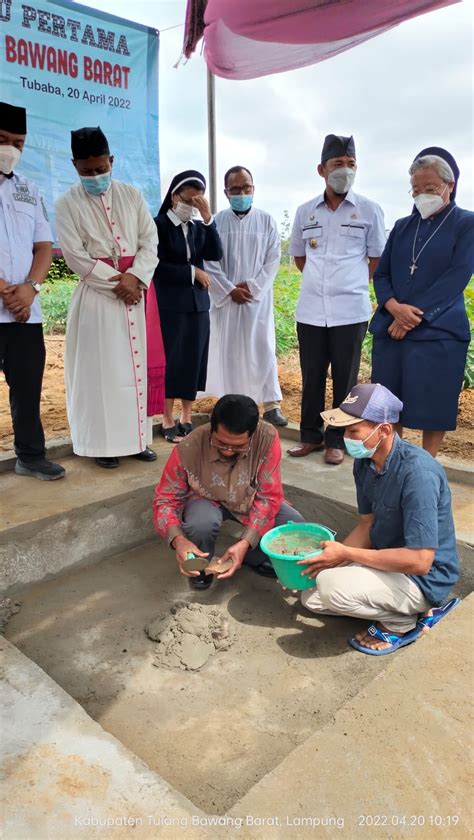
pixel 60 285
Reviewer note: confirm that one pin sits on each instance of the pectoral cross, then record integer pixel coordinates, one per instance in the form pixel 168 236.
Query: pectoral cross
pixel 413 268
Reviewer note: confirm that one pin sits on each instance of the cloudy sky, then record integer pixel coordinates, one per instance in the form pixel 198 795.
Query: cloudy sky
pixel 397 93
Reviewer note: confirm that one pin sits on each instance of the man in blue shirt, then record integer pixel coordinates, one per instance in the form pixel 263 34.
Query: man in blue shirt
pixel 400 560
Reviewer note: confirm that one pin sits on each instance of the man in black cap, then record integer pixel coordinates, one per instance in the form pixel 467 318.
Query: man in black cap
pixel 25 258
pixel 337 240
pixel 108 238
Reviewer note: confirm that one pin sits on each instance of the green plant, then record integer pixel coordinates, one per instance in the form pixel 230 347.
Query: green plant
pixel 285 233
pixel 285 297
pixel 55 299
pixel 59 271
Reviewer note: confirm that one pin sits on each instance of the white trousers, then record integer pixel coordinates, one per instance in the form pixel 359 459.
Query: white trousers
pixel 389 597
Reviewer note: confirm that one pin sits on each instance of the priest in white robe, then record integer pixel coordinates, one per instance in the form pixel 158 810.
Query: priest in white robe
pixel 242 357
pixel 108 237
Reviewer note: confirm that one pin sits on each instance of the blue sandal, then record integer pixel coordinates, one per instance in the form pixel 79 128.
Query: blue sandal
pixel 393 639
pixel 429 621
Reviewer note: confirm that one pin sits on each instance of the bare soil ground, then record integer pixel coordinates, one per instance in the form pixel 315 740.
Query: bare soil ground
pixel 458 445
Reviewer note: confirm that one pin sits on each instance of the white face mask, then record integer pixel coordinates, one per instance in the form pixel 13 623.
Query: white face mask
pixel 9 157
pixel 427 205
pixel 341 180
pixel 184 211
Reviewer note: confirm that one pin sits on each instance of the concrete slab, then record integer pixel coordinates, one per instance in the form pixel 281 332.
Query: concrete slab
pixel 65 777
pixel 394 762
pixel 211 734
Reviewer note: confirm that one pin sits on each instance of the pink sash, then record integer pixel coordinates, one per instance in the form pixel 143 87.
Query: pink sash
pixel 154 344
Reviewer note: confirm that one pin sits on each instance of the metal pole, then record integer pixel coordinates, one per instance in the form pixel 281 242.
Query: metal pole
pixel 211 139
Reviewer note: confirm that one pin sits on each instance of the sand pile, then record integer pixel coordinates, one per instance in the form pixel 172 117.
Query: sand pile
pixel 187 635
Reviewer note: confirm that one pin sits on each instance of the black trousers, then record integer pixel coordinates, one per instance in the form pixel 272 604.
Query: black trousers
pixel 22 357
pixel 320 347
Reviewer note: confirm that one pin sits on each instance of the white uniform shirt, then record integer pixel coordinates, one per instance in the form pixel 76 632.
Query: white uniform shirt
pixel 23 221
pixel 336 244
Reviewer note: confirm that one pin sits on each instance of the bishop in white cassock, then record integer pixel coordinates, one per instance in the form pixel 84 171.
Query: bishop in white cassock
pixel 106 231
pixel 242 356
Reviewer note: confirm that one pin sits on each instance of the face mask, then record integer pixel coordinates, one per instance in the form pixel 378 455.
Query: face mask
pixel 96 184
pixel 341 180
pixel 427 204
pixel 241 203
pixel 357 448
pixel 9 157
pixel 184 211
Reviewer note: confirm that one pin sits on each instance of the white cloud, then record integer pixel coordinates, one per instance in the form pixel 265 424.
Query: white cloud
pixel 397 93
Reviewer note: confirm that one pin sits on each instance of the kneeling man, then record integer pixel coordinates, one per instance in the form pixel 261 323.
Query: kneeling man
pixel 399 564
pixel 226 469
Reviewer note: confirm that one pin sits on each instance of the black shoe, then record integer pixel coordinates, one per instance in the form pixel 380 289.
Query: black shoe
pixel 275 417
pixel 265 569
pixel 107 463
pixel 201 581
pixel 146 455
pixel 184 428
pixel 40 468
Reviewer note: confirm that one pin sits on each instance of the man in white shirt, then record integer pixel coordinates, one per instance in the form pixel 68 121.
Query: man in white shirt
pixel 242 356
pixel 108 238
pixel 25 258
pixel 337 240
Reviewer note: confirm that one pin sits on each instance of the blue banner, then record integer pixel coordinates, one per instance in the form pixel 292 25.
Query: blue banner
pixel 72 66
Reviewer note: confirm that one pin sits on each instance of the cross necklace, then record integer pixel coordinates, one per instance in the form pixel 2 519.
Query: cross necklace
pixel 413 265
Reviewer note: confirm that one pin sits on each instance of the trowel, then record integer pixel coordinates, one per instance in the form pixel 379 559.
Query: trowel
pixel 210 567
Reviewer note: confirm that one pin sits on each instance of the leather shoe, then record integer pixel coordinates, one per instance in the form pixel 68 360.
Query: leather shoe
pixel 146 455
pixel 302 449
pixel 333 456
pixel 107 463
pixel 275 417
pixel 200 581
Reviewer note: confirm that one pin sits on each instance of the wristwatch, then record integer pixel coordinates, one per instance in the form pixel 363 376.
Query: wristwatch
pixel 36 286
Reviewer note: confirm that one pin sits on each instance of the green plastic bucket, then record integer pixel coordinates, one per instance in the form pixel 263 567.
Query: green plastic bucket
pixel 288 573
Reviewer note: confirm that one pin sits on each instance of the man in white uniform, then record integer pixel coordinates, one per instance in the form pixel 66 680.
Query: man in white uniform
pixel 242 344
pixel 25 258
pixel 108 238
pixel 337 240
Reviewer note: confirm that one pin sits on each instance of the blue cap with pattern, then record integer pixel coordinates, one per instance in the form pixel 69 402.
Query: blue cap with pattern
pixel 372 402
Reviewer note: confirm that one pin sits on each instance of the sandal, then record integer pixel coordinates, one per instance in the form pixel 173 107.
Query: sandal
pixel 393 639
pixel 184 428
pixel 426 622
pixel 171 434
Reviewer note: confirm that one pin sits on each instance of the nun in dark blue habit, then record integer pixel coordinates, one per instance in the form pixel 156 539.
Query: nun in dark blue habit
pixel 181 284
pixel 420 328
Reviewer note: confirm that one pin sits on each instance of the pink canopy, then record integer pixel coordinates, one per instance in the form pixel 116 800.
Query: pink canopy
pixel 244 39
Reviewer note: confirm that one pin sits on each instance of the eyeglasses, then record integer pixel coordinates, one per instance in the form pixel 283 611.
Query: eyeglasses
pixel 426 190
pixel 218 444
pixel 188 201
pixel 247 189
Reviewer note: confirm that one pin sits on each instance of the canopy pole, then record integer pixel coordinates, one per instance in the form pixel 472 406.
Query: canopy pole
pixel 211 139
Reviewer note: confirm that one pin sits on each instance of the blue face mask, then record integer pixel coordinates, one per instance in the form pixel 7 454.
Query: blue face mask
pixel 357 448
pixel 241 203
pixel 96 184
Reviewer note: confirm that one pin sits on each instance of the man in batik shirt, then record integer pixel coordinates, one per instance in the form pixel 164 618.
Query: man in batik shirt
pixel 226 469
